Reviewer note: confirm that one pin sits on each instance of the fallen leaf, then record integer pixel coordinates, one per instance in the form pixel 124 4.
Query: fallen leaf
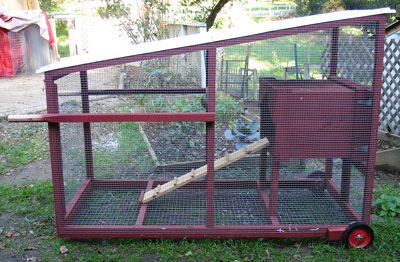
pixel 63 250
pixel 31 248
pixel 16 235
pixel 37 224
pixel 9 234
pixel 297 244
pixel 297 257
pixel 47 237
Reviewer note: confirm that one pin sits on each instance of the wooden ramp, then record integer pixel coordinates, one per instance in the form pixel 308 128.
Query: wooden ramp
pixel 178 182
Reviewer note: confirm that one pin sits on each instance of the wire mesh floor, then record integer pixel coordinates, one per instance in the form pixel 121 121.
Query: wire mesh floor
pixel 303 206
pixel 239 207
pixel 189 207
pixel 109 207
pixel 179 207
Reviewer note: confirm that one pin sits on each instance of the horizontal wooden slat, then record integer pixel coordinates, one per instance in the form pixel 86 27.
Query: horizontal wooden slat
pixel 166 91
pixel 116 117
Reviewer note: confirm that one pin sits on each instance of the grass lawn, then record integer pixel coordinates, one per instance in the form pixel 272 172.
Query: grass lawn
pixel 27 227
pixel 269 57
pixel 21 145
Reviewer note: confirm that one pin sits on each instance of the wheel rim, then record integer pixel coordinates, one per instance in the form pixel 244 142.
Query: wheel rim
pixel 359 238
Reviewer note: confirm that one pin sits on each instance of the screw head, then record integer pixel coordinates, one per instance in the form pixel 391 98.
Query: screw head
pixel 359 237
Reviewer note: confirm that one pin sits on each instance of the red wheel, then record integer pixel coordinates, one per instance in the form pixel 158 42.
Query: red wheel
pixel 358 235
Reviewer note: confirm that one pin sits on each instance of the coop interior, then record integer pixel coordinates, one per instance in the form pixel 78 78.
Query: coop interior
pixel 292 134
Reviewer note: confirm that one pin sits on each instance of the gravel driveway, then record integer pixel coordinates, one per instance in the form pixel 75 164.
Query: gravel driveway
pixel 22 94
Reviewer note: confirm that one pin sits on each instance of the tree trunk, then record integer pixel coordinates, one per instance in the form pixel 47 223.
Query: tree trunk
pixel 217 8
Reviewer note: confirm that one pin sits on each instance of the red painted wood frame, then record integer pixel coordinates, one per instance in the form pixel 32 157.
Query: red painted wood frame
pixel 65 214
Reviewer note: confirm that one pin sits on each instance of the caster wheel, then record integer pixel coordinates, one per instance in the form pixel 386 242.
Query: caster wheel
pixel 320 185
pixel 358 235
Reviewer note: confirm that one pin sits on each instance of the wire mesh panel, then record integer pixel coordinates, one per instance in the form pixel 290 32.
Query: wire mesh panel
pixel 271 134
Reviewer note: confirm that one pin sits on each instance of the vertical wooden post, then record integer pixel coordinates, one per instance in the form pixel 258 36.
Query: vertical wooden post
pixel 263 132
pixel 273 194
pixel 55 153
pixel 346 180
pixel 334 52
pixel 377 85
pixel 328 168
pixel 87 133
pixel 210 135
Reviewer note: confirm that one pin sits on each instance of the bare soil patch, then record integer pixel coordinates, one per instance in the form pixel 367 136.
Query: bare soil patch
pixel 22 94
pixel 38 170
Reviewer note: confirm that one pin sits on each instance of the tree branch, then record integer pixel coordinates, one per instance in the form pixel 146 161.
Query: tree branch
pixel 217 8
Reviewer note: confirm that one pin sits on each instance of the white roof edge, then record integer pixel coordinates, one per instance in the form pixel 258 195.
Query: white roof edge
pixel 210 37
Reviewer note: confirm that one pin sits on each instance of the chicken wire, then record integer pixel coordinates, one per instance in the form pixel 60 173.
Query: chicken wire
pixel 300 91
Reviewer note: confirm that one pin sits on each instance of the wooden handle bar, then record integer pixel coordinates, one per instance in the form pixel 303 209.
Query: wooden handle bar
pixel 26 118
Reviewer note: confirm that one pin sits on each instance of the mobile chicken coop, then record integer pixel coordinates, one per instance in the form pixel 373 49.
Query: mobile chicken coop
pixel 149 144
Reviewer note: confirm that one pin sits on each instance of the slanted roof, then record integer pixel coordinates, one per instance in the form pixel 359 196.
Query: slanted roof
pixel 211 37
pixel 395 26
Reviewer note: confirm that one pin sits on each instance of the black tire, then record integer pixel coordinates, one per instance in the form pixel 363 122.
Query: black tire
pixel 358 235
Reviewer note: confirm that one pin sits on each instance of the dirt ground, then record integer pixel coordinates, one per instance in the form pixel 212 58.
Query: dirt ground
pixel 38 170
pixel 22 94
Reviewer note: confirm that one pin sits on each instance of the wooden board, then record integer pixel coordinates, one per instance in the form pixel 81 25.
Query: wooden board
pixel 178 182
pixel 26 118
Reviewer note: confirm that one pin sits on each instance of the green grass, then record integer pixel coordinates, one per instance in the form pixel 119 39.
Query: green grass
pixel 22 144
pixel 269 57
pixel 33 200
pixel 28 209
pixel 62 38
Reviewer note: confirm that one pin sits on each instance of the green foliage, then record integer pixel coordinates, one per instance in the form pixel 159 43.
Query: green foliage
pixel 147 26
pixel 62 38
pixel 196 10
pixel 113 9
pixel 309 7
pixel 387 201
pixel 390 205
pixel 200 11
pixel 227 108
pixel 51 5
pixel 191 130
